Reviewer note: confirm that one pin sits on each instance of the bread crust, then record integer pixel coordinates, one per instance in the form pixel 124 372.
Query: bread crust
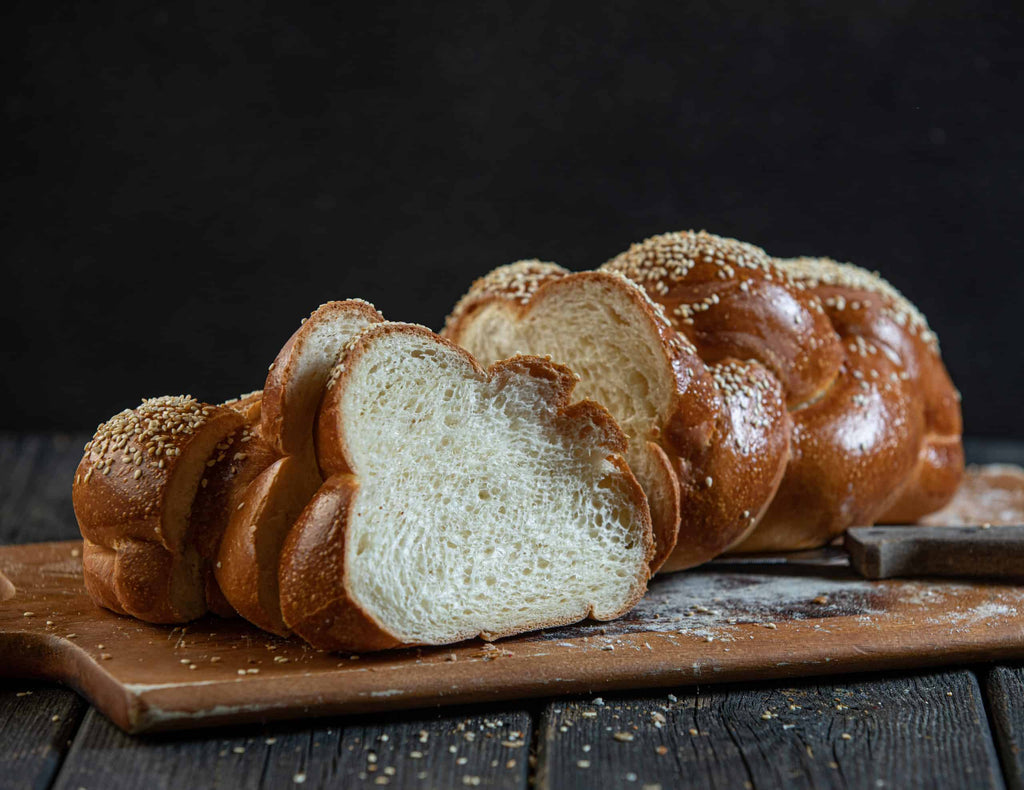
pixel 249 555
pixel 229 474
pixel 133 494
pixel 316 602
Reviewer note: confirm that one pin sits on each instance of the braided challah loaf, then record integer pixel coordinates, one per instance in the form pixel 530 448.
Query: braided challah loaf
pixel 813 389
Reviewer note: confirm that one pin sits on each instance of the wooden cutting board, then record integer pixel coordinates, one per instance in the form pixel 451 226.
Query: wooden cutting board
pixel 734 621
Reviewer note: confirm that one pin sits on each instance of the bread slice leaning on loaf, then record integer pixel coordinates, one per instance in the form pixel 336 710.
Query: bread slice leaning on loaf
pixel 708 442
pixel 460 502
pixel 247 560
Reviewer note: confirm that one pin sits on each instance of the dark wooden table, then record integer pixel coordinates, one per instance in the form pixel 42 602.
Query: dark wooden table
pixel 956 728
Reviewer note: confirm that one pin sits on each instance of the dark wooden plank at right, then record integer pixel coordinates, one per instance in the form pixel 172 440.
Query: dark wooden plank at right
pixel 37 723
pixel 925 730
pixel 1004 689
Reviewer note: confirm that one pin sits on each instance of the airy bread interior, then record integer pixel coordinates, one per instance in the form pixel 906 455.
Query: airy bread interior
pixel 480 509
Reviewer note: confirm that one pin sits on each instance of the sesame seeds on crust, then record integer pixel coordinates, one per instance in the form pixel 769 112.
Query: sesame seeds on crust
pixel 154 430
pixel 818 272
pixel 659 261
pixel 517 282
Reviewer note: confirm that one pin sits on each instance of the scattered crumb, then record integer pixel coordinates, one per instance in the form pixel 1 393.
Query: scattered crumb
pixel 846 736
pixel 238 750
pixel 583 763
pixel 693 731
pixel 55 717
pixel 623 736
pixel 299 778
pixel 662 750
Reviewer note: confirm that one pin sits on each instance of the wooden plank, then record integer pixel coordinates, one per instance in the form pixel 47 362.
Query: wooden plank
pixel 1004 691
pixel 886 552
pixel 426 751
pixel 927 730
pixel 37 723
pixel 35 486
pixel 472 750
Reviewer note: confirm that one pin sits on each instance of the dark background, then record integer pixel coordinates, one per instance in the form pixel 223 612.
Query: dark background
pixel 180 186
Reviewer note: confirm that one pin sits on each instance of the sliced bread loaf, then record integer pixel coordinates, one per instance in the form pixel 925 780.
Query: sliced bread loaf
pixel 460 502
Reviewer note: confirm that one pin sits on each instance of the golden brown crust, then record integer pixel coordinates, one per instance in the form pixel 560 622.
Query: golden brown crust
pixel 239 460
pixel 133 494
pixel 248 558
pixel 315 602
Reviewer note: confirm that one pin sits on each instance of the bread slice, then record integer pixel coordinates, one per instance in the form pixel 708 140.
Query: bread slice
pixel 247 560
pixel 708 443
pixel 461 502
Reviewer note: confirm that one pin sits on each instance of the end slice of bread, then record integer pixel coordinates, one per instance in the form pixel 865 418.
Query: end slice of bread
pixel 462 502
pixel 133 496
